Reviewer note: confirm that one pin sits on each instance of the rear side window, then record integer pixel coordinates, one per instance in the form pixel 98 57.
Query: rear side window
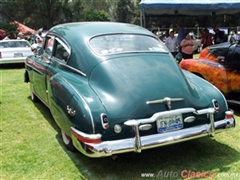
pixel 61 51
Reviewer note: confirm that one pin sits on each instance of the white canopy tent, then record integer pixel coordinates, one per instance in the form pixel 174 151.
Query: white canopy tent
pixel 186 7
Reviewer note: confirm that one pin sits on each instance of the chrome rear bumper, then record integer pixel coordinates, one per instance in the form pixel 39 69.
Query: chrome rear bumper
pixel 137 143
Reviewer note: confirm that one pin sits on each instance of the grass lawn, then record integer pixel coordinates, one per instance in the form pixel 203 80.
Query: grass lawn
pixel 31 147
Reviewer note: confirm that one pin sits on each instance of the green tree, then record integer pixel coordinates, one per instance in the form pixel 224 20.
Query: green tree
pixel 77 10
pixel 94 15
pixel 136 14
pixel 97 4
pixel 45 13
pixel 125 11
pixel 8 27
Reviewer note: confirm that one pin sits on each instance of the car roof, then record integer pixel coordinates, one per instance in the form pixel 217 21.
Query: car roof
pixel 78 34
pixel 90 29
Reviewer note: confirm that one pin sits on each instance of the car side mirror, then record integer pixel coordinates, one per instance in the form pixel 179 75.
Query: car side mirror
pixel 39 51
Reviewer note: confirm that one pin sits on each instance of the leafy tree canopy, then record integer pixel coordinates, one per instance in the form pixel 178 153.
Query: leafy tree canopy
pixel 8 27
pixel 47 13
pixel 96 15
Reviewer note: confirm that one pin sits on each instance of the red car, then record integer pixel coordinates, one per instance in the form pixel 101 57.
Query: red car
pixel 220 65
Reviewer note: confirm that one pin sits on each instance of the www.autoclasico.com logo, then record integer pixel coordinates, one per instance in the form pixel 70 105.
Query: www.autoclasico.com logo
pixel 184 174
pixel 197 174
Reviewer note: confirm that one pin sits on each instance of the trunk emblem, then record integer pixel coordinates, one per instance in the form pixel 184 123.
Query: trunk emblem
pixel 167 100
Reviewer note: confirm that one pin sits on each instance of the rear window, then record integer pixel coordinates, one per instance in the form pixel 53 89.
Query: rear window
pixel 121 43
pixel 14 44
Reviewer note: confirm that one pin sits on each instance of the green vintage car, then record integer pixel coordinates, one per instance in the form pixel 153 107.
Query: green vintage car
pixel 115 88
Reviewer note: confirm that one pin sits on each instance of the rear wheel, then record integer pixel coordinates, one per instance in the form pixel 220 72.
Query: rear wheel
pixel 67 142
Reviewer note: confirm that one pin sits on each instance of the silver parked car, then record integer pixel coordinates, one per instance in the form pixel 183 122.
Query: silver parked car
pixel 14 51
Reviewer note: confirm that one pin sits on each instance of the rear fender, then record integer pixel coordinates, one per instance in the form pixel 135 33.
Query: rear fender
pixel 212 91
pixel 69 107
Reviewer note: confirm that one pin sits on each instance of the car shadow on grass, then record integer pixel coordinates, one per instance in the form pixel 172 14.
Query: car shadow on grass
pixel 173 161
pixel 196 156
pixel 44 110
pixel 235 108
pixel 12 66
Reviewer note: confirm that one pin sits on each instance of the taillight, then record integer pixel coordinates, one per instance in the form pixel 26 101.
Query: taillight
pixel 216 105
pixel 229 114
pixel 104 120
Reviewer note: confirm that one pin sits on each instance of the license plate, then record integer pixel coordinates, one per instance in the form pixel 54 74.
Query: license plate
pixel 169 123
pixel 18 55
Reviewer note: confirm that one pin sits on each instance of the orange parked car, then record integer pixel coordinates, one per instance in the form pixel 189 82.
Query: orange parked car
pixel 220 65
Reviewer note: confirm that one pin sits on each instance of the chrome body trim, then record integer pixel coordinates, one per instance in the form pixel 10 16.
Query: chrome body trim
pixel 138 143
pixel 87 136
pixel 165 100
pixel 74 70
pixel 36 70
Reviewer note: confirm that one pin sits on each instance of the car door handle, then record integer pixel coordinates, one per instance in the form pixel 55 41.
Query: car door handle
pixel 70 111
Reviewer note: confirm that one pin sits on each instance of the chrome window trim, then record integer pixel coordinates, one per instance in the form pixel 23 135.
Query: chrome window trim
pixel 64 44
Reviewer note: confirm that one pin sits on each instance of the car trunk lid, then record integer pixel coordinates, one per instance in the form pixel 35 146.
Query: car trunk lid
pixel 126 84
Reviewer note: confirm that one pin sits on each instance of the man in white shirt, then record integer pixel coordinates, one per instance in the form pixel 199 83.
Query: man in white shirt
pixel 172 44
pixel 235 36
pixel 39 37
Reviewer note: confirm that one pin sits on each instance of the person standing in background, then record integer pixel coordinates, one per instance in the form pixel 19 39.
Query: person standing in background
pixel 235 36
pixel 181 35
pixel 218 36
pixel 38 37
pixel 187 47
pixel 172 44
pixel 20 36
pixel 206 38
